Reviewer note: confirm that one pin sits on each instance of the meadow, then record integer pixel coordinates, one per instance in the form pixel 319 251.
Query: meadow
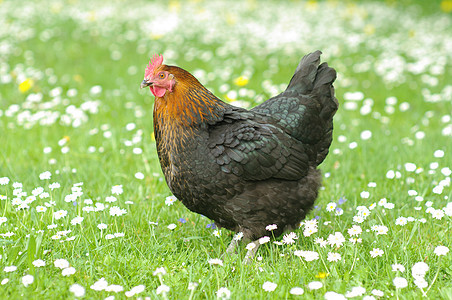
pixel 85 209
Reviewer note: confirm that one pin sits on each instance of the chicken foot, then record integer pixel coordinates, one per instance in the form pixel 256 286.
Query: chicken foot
pixel 251 252
pixel 232 245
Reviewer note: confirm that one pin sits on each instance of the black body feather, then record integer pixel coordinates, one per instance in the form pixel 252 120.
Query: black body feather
pixel 246 169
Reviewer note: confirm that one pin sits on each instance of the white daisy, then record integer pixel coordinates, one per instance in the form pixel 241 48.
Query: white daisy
pixel 269 286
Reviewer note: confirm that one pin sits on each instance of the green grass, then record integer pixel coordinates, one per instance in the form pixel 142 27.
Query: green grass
pixel 77 45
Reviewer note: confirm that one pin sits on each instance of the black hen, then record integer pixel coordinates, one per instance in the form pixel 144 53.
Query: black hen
pixel 244 169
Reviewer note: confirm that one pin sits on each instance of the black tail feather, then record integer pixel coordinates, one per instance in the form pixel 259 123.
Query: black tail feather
pixel 305 74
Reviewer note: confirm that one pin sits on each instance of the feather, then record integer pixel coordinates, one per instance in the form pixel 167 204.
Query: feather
pixel 246 169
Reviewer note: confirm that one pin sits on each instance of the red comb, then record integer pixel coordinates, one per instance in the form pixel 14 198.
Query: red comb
pixel 155 62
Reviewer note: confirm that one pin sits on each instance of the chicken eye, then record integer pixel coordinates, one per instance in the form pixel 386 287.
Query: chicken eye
pixel 162 75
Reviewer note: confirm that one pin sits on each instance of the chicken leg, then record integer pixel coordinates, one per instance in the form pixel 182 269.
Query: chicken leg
pixel 251 252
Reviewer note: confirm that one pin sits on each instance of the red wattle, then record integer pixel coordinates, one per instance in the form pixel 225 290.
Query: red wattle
pixel 158 91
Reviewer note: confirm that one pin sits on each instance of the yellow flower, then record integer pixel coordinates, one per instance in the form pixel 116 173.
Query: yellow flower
pixel 92 16
pixel 369 29
pixel 26 85
pixel 241 81
pixel 174 6
pixel 155 36
pixel 446 6
pixel 322 275
pixel 311 5
pixel 231 19
pixel 78 78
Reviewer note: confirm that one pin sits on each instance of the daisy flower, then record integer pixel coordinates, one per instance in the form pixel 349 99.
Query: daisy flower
pixel 139 175
pixel 4 180
pixel 321 242
pixel 298 291
pixel 77 220
pixel 37 191
pixel 68 271
pixel 364 194
pixel 135 290
pixel 382 202
pixel 400 282
pixel 193 285
pixel 215 261
pixel 27 280
pixel 315 285
pixel 376 252
pixel 264 239
pixel 308 231
pixel 307 255
pixel 311 223
pixel 437 214
pixel 310 255
pixel 355 230
pixel 333 256
pixel 44 195
pixel 45 175
pixel 102 226
pixel 377 293
pixel 159 271
pixel 269 286
pixel 420 282
pixel 271 227
pixel 358 219
pixel 60 214
pixel 381 229
pixel 419 269
pixel 223 293
pixel 401 221
pixel 336 240
pixel 17 185
pixel 117 189
pixel 339 211
pixel 441 250
pixel 54 185
pixel 61 263
pixel 162 289
pixel 117 211
pixel 331 206
pixel 114 288
pixel 170 200
pixel 389 205
pixel 356 291
pixel 250 246
pixel 8 269
pixel 238 236
pixel 398 267
pixel 290 238
pixel 110 199
pixel 39 263
pixel 99 285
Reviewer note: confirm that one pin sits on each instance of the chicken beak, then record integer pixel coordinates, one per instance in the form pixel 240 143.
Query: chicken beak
pixel 145 83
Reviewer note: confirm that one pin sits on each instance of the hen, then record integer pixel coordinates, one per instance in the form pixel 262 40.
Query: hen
pixel 244 169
